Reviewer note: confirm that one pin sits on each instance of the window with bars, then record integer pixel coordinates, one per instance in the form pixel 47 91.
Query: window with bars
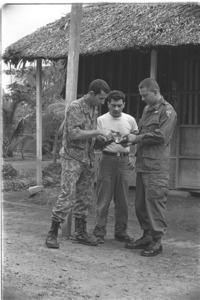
pixel 179 80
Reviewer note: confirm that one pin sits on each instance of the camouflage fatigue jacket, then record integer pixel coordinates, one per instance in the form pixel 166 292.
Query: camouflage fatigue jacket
pixel 79 116
pixel 155 131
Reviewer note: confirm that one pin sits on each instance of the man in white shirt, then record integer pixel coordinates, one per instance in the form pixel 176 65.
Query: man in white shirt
pixel 114 168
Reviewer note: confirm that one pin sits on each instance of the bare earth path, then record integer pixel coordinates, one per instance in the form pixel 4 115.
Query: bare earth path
pixel 107 272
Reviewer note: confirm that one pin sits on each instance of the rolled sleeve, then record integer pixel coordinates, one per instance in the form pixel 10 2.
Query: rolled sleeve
pixel 74 117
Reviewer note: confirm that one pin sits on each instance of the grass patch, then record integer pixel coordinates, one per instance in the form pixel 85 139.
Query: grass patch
pixel 24 178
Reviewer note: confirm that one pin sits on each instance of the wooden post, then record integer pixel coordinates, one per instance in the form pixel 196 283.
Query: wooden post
pixel 39 121
pixel 73 53
pixel 72 78
pixel 154 61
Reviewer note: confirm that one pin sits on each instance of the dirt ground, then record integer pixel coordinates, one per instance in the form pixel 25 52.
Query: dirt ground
pixel 107 272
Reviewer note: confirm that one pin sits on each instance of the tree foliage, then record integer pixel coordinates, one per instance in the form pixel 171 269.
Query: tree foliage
pixel 19 106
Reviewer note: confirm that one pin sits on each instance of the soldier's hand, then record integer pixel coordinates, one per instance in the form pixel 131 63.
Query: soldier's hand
pixel 101 138
pixel 131 138
pixel 131 164
pixel 106 133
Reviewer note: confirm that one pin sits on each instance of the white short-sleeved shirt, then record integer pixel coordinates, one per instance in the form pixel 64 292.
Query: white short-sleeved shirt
pixel 125 124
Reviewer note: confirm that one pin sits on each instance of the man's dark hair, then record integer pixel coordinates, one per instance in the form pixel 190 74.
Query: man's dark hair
pixel 116 95
pixel 99 85
pixel 150 84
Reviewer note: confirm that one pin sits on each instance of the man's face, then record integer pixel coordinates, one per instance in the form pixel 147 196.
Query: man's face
pixel 116 107
pixel 148 96
pixel 99 99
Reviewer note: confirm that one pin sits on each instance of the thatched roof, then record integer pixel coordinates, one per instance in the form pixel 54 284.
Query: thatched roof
pixel 113 27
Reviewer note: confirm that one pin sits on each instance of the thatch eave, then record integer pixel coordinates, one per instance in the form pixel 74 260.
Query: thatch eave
pixel 113 27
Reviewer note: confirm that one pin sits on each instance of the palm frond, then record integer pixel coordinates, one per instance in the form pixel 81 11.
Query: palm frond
pixel 60 130
pixel 57 108
pixel 19 130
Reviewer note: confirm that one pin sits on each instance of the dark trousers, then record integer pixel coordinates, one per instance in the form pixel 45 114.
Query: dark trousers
pixel 112 183
pixel 150 202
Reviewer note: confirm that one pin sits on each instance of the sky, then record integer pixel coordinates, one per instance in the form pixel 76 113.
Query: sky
pixel 19 20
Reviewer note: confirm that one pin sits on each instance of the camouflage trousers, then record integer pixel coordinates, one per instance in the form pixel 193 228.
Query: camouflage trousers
pixel 77 183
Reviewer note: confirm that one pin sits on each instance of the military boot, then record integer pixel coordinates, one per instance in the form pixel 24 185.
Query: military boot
pixel 153 249
pixel 141 243
pixel 51 240
pixel 81 235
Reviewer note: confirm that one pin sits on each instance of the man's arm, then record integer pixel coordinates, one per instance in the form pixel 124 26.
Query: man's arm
pixel 158 136
pixel 74 117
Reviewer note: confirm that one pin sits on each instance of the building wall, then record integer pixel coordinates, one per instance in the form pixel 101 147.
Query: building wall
pixel 124 71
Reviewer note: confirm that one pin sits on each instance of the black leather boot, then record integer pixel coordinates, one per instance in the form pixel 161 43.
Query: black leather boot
pixel 141 243
pixel 81 234
pixel 51 240
pixel 154 248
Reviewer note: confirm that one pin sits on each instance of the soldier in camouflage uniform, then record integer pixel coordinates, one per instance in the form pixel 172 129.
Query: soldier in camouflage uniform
pixel 77 158
pixel 152 166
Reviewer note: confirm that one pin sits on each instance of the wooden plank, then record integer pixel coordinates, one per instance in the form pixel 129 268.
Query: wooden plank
pixel 72 78
pixel 190 108
pixel 196 86
pixel 190 75
pixel 189 141
pixel 190 99
pixel 178 142
pixel 83 75
pixel 189 173
pixel 139 62
pixel 188 157
pixel 93 66
pixel 101 76
pixel 129 81
pixel 154 62
pixel 39 122
pixel 179 121
pixel 170 74
pixel 185 89
pixel 111 70
pixel 185 70
pixel 120 70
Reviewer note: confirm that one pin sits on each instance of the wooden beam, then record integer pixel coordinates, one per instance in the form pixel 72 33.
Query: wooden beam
pixel 196 83
pixel 72 78
pixel 83 86
pixel 129 81
pixel 154 62
pixel 120 70
pixel 39 121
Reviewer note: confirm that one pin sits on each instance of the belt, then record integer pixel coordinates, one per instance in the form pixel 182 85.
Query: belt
pixel 116 154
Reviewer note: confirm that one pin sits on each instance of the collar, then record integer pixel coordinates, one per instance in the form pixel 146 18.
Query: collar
pixel 86 107
pixel 157 105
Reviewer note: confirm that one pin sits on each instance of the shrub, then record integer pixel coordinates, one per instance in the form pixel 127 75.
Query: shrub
pixel 8 171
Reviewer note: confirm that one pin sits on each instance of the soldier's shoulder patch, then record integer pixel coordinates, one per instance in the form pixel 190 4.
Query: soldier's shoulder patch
pixel 169 112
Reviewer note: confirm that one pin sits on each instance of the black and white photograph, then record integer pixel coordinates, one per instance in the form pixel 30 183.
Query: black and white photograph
pixel 100 150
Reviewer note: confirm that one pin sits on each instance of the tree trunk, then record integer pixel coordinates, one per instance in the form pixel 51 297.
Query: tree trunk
pixel 55 147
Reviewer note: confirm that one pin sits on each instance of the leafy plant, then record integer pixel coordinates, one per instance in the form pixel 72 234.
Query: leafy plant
pixel 15 118
pixel 22 94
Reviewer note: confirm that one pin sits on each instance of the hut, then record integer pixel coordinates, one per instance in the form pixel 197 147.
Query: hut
pixel 123 44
